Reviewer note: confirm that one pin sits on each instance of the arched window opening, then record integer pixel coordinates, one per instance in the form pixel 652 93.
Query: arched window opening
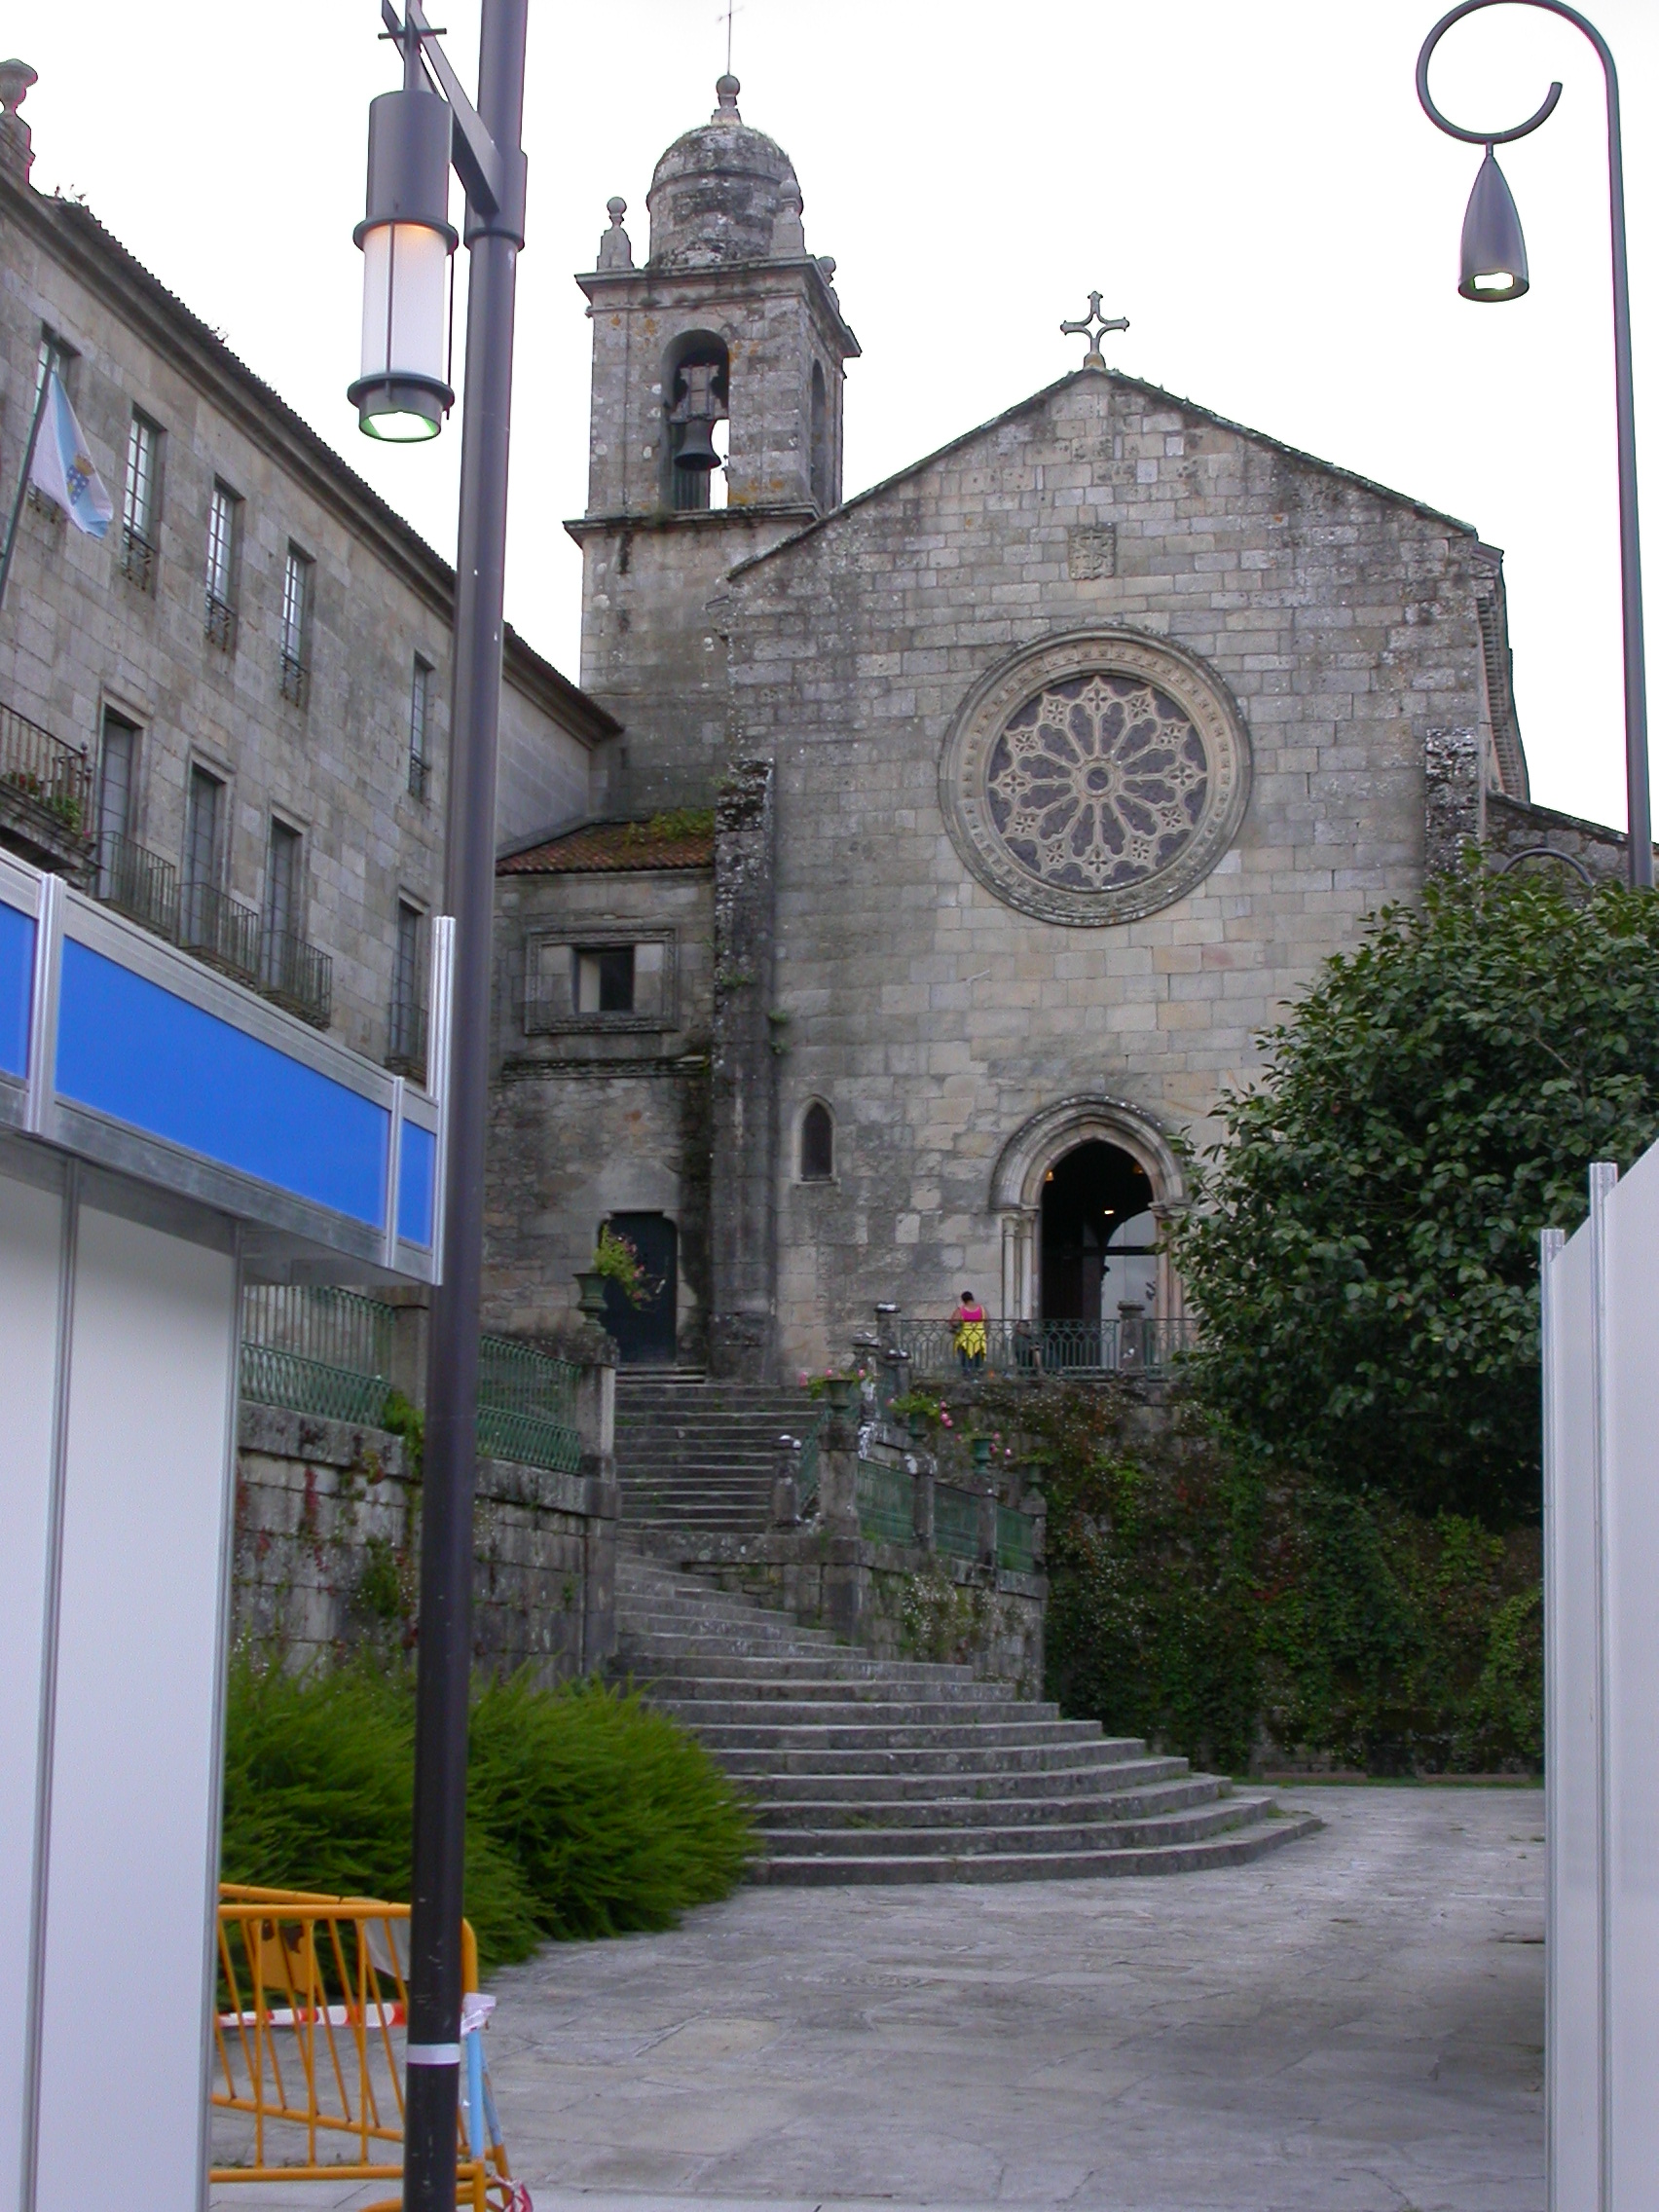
pixel 1099 1236
pixel 821 494
pixel 818 1144
pixel 696 401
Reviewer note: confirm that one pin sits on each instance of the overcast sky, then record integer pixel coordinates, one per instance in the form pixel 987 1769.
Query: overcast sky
pixel 1253 185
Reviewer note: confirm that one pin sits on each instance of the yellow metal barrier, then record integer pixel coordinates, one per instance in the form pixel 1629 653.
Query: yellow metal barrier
pixel 308 2033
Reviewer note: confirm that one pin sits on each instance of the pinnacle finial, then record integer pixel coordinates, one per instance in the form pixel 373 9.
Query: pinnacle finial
pixel 614 249
pixel 16 153
pixel 1093 326
pixel 726 89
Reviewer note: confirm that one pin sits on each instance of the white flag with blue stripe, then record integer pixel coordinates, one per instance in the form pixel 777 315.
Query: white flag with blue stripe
pixel 62 467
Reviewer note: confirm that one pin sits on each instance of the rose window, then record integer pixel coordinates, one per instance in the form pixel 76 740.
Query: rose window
pixel 1097 783
pixel 1095 776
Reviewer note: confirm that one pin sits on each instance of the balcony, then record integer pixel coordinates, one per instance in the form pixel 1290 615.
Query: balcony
pixel 221 931
pixel 293 677
pixel 45 796
pixel 406 1040
pixel 138 884
pixel 220 623
pixel 297 975
pixel 138 559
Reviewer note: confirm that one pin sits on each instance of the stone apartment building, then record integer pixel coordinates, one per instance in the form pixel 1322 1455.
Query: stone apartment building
pixel 229 716
pixel 960 836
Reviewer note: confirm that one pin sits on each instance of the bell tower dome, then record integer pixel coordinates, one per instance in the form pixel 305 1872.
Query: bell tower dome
pixel 716 430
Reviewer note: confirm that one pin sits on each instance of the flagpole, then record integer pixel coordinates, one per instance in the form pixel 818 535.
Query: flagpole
pixel 49 371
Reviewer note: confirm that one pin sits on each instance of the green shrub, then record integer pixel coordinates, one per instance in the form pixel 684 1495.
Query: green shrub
pixel 1365 1249
pixel 587 1815
pixel 1232 1617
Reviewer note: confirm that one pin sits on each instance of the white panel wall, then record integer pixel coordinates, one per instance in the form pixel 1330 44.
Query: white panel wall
pixel 1602 1594
pixel 31 1235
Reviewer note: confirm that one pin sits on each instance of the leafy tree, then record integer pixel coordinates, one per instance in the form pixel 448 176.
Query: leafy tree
pixel 1364 1252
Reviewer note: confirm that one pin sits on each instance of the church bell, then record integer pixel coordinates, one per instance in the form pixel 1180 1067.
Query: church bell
pixel 696 413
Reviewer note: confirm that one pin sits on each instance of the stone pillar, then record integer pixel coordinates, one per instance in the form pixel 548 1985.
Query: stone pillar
pixel 412 1310
pixel 17 149
pixel 844 1571
pixel 596 1426
pixel 742 1224
pixel 786 1484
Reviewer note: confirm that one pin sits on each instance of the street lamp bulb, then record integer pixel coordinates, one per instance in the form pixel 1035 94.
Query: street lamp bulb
pixel 397 426
pixel 1494 254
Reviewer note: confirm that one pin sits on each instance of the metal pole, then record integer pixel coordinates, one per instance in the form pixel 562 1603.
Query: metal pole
pixel 445 1645
pixel 47 375
pixel 1638 806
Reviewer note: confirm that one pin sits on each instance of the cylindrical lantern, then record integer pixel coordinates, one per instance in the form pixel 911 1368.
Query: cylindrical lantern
pixel 403 393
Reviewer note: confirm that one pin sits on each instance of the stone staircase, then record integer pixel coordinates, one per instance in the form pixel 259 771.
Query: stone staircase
pixel 696 1455
pixel 881 1770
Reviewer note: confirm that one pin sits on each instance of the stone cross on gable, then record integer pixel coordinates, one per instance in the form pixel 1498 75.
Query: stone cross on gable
pixel 1093 326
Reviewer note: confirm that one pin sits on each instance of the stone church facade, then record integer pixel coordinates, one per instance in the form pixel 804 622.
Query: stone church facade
pixel 960 837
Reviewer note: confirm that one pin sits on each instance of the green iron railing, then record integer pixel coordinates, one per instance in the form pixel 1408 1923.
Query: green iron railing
pixel 327 1352
pixel 956 1521
pixel 887 1503
pixel 527 1406
pixel 1013 1541
pixel 806 1478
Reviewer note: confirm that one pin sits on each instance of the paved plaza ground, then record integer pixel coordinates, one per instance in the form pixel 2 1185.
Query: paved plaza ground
pixel 1354 2024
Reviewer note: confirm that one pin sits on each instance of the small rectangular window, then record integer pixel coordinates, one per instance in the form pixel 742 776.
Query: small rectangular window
pixel 142 501
pixel 296 625
pixel 420 726
pixel 604 980
pixel 219 580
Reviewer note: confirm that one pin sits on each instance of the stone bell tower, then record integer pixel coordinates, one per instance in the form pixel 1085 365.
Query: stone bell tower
pixel 717 372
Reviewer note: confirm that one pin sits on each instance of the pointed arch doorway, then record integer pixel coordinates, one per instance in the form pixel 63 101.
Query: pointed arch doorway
pixel 1083 1190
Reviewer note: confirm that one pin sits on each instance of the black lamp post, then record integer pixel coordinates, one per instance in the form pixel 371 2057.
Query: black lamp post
pixel 402 393
pixel 1494 267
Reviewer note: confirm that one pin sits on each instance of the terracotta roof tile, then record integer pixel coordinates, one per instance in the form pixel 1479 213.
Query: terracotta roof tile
pixel 665 841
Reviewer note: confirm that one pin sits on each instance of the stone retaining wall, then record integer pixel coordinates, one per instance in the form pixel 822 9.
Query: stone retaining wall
pixel 327 1543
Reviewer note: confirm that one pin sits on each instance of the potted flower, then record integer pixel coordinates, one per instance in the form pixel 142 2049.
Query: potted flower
pixel 614 1260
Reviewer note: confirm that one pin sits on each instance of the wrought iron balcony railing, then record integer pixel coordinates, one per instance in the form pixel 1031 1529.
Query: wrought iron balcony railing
pixel 298 976
pixel 137 558
pixel 41 768
pixel 138 884
pixel 219 620
pixel 420 776
pixel 1130 1345
pixel 220 929
pixel 293 677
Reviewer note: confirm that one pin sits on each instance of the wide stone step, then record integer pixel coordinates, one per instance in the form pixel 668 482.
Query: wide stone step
pixel 1237 1847
pixel 761 1697
pixel 1033 1785
pixel 1192 1825
pixel 975 1758
pixel 947 1807
pixel 710 1672
pixel 871 1737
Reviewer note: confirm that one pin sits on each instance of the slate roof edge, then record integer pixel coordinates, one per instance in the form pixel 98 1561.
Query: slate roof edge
pixel 1153 391
pixel 69 230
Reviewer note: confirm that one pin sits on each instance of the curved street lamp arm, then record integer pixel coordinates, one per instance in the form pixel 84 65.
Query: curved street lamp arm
pixel 1630 540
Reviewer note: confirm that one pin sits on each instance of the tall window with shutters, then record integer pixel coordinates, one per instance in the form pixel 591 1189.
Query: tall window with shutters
pixel 406 1045
pixel 220 580
pixel 281 902
pixel 203 818
pixel 141 503
pixel 295 648
pixel 118 775
pixel 420 727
